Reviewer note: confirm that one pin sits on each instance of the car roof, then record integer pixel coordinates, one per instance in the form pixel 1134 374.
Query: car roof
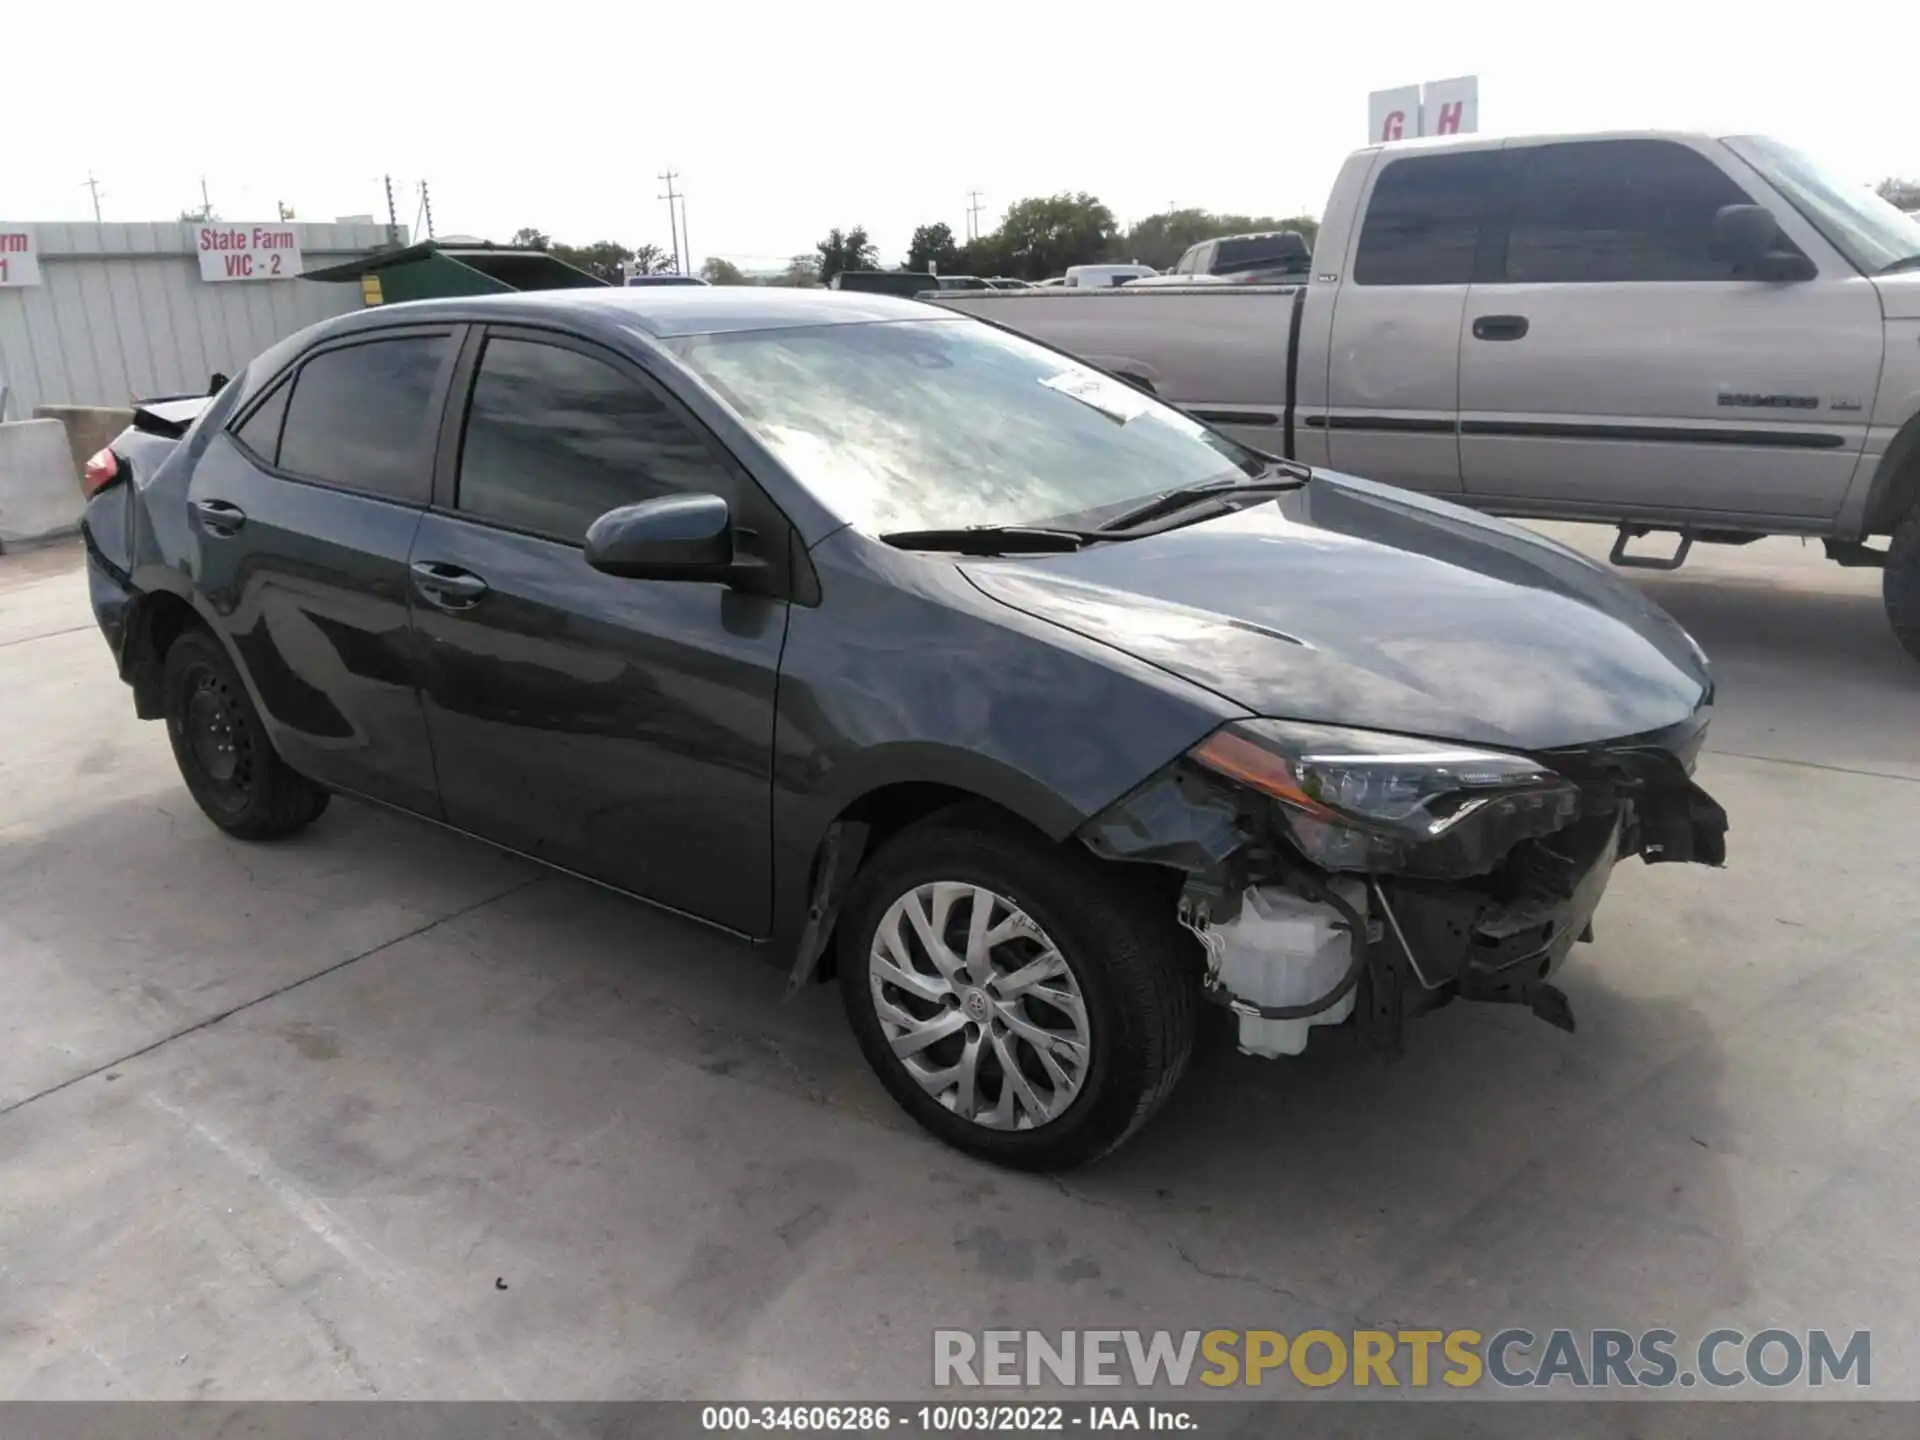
pixel 662 311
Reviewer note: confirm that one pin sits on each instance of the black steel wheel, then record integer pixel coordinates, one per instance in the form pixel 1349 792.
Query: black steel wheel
pixel 222 749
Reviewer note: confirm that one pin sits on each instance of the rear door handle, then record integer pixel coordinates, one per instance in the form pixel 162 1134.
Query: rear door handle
pixel 447 586
pixel 1500 327
pixel 219 517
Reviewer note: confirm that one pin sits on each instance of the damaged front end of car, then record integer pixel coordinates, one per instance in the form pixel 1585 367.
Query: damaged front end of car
pixel 1334 874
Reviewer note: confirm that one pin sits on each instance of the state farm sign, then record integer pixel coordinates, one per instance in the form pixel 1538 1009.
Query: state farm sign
pixel 248 252
pixel 19 260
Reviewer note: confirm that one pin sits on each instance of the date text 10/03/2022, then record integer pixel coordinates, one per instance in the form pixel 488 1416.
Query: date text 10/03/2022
pixel 946 1419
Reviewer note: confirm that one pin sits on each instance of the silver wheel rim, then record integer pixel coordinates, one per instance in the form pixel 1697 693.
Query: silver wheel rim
pixel 979 1006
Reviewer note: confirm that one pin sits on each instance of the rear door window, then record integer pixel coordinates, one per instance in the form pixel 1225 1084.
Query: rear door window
pixel 556 438
pixel 1424 218
pixel 1595 211
pixel 361 417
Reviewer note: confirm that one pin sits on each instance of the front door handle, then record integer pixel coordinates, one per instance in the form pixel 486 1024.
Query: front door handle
pixel 447 586
pixel 219 517
pixel 1500 327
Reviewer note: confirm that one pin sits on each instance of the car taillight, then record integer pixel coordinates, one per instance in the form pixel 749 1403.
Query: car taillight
pixel 101 471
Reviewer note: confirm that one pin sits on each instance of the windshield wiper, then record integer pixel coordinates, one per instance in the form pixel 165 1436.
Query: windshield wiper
pixel 993 540
pixel 1278 476
pixel 1905 262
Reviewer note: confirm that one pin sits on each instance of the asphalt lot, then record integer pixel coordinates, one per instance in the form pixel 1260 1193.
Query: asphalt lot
pixel 380 1111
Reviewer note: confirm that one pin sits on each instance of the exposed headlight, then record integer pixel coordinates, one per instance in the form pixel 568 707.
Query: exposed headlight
pixel 1364 800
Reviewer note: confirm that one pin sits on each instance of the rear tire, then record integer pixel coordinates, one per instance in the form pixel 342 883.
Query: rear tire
pixel 1098 1038
pixel 230 766
pixel 1900 583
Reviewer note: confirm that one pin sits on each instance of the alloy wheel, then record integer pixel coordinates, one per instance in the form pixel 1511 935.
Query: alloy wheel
pixel 979 1005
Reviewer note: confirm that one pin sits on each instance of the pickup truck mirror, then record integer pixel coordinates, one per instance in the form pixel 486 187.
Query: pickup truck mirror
pixel 1744 233
pixel 1748 238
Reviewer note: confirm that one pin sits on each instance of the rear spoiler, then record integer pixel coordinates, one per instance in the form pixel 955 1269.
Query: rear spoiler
pixel 171 416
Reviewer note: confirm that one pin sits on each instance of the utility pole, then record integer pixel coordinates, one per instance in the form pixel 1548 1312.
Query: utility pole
pixel 686 236
pixel 426 207
pixel 281 206
pixel 973 215
pixel 393 220
pixel 206 205
pixel 673 216
pixel 94 186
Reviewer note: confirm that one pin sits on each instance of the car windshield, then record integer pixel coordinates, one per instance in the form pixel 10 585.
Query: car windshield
pixel 936 424
pixel 1870 231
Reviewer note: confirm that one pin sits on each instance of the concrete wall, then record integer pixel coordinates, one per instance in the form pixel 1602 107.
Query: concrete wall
pixel 39 488
pixel 121 312
pixel 89 427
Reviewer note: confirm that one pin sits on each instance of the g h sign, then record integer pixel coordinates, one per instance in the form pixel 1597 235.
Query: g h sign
pixel 1440 107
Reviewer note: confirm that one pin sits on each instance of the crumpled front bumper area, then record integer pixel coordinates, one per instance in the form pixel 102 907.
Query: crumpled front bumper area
pixel 1411 943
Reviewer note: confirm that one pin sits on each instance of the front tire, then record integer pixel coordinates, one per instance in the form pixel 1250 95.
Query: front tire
pixel 230 766
pixel 1900 583
pixel 1014 997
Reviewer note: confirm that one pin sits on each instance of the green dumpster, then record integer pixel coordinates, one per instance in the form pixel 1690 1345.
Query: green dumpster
pixel 431 270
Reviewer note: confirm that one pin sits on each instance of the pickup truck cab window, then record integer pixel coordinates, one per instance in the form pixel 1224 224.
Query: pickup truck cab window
pixel 1424 218
pixel 556 438
pixel 360 416
pixel 1590 212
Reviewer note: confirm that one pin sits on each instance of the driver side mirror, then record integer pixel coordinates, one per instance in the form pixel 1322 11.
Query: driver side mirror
pixel 674 537
pixel 1748 238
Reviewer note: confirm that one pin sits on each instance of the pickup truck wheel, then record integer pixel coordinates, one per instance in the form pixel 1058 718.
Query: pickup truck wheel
pixel 1900 583
pixel 222 749
pixel 1015 998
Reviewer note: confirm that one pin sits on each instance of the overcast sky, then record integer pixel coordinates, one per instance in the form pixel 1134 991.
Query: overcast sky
pixel 782 124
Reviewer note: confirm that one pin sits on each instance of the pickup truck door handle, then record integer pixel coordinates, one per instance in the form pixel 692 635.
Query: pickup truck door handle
pixel 447 586
pixel 1500 327
pixel 219 517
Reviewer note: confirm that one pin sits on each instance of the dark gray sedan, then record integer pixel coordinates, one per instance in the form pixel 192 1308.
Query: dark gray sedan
pixel 915 653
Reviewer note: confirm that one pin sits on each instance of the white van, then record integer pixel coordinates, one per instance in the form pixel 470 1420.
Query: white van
pixel 1105 277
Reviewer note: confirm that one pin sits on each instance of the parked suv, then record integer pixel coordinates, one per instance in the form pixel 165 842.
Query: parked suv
pixel 913 652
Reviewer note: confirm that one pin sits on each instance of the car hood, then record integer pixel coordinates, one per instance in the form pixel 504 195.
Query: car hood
pixel 1900 295
pixel 1357 604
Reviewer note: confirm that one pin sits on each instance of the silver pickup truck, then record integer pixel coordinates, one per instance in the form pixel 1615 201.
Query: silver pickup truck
pixel 1707 336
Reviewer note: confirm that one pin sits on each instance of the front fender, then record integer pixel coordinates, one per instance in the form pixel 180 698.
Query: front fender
pixel 909 675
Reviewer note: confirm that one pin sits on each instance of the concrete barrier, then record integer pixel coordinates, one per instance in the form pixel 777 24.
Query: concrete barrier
pixel 39 488
pixel 89 428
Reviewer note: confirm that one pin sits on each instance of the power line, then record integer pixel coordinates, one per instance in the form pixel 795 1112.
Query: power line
pixel 673 217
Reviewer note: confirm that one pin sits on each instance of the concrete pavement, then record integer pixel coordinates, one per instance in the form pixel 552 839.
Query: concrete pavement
pixel 380 1111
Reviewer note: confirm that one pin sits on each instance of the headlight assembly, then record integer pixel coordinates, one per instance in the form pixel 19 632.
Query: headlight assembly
pixel 1361 800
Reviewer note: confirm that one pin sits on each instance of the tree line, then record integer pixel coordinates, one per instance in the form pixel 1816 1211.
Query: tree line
pixel 1039 237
